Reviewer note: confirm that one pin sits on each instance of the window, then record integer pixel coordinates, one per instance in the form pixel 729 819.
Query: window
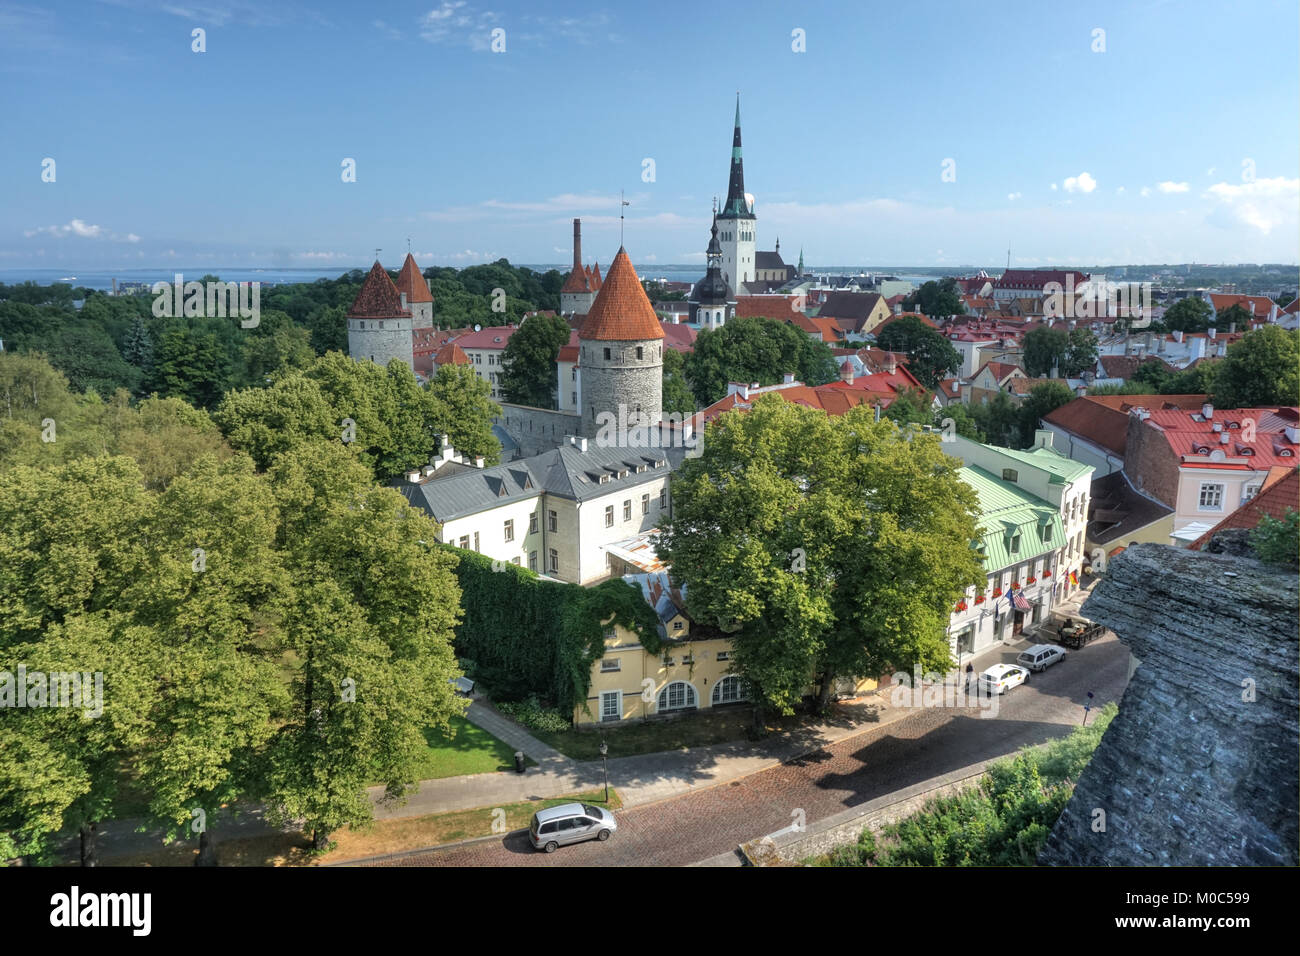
pixel 551 520
pixel 509 530
pixel 609 516
pixel 1047 532
pixel 688 659
pixel 573 399
pixel 627 510
pixel 678 695
pixel 669 661
pixel 640 352
pixel 728 690
pixel 1015 543
pixel 464 541
pixel 532 523
pixel 645 504
pixel 677 625
pixel 663 497
pixel 476 547
pixel 611 705
pixel 607 356
pixel 532 560
pixel 515 561
pixel 1251 492
pixel 555 561
pixel 609 664
pixel 1010 474
pixel 724 655
pixel 1211 497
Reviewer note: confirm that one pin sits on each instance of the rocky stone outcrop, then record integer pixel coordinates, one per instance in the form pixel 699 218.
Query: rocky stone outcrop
pixel 1200 766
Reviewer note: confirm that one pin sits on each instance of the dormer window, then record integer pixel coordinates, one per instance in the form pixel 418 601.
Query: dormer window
pixel 1010 474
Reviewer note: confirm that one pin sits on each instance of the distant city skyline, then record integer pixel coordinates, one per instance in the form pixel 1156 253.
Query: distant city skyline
pixel 933 135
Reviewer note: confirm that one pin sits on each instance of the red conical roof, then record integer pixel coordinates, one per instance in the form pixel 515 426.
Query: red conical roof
pixel 411 281
pixel 577 281
pixel 378 298
pixel 621 311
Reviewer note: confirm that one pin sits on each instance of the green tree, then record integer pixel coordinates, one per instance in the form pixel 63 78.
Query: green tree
pixel 936 299
pixel 1277 540
pixel 1045 349
pixel 369 624
pixel 931 357
pixel 1261 368
pixel 753 350
pixel 677 397
pixel 1234 317
pixel 1080 353
pixel 462 408
pixel 1188 315
pixel 998 419
pixel 191 364
pixel 528 375
pixel 822 546
pixel 1042 400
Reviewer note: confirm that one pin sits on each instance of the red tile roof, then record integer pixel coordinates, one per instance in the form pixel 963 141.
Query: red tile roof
pixel 1195 442
pixel 378 298
pixel 999 370
pixel 1103 419
pixel 679 338
pixel 450 354
pixel 767 306
pixel 489 337
pixel 1280 493
pixel 621 311
pixel 1263 305
pixel 411 281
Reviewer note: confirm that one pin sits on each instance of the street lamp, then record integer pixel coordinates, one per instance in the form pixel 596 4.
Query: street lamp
pixel 604 762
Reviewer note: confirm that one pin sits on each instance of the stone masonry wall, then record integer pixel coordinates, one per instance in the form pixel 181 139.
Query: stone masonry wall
pixel 623 379
pixel 1200 766
pixel 537 430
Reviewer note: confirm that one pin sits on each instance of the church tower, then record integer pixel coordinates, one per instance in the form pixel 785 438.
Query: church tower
pixel 736 222
pixel 712 302
pixel 379 328
pixel 620 352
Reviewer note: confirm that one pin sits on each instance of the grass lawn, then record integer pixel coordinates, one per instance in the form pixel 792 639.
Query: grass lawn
pixel 381 837
pixel 471 750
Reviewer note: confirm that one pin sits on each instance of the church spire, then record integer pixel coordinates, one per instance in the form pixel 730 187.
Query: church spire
pixel 736 207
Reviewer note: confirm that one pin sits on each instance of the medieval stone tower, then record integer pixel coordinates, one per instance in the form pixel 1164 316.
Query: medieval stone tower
pixel 379 328
pixel 580 288
pixel 620 354
pixel 736 221
pixel 416 297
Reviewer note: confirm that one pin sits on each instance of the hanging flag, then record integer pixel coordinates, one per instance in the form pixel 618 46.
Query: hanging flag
pixel 1018 599
pixel 1074 579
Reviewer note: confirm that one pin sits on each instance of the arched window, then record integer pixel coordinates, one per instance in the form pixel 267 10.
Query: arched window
pixel 678 695
pixel 728 690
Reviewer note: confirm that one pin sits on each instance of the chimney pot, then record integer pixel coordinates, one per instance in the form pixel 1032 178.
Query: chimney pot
pixel 478 461
pixel 1207 411
pixel 413 476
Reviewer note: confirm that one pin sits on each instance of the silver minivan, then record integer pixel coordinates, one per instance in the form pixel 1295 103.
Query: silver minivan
pixel 571 823
pixel 1040 657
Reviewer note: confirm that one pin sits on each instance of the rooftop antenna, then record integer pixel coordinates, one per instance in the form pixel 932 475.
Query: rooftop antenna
pixel 623 202
pixel 1008 257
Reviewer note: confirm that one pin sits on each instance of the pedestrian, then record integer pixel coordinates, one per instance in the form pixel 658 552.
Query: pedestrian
pixel 970 669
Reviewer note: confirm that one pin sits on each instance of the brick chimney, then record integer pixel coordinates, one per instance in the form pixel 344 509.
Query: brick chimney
pixel 577 244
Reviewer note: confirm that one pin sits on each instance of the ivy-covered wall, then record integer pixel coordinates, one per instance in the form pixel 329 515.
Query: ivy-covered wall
pixel 527 635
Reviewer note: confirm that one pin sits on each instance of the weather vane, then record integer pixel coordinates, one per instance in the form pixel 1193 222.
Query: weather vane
pixel 377 252
pixel 623 202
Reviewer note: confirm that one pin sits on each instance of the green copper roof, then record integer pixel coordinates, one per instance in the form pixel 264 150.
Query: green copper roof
pixel 1007 510
pixel 1051 461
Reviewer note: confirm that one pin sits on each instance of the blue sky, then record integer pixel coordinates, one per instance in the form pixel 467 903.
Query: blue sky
pixel 1178 142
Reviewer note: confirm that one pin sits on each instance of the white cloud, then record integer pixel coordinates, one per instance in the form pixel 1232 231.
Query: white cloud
pixel 456 22
pixel 1053 187
pixel 80 229
pixel 1263 204
pixel 1119 191
pixel 1146 191
pixel 1172 187
pixel 1013 196
pixel 1082 183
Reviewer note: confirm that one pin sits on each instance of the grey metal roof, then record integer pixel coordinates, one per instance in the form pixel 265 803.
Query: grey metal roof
pixel 566 472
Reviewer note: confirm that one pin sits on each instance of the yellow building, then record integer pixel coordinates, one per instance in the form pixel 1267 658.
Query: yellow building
pixel 688 674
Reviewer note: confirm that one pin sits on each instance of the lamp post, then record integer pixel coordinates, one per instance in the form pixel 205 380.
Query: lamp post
pixel 604 762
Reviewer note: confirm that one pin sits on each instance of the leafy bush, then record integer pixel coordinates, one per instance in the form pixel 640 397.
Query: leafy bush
pixel 534 716
pixel 1003 822
pixel 1277 540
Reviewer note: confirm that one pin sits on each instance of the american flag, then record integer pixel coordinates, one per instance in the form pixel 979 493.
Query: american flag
pixel 1018 599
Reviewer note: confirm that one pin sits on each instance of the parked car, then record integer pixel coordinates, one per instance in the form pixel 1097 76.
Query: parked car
pixel 1000 678
pixel 1040 657
pixel 555 827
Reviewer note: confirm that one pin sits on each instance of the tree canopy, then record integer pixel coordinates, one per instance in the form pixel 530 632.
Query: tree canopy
pixel 755 350
pixel 528 375
pixel 931 357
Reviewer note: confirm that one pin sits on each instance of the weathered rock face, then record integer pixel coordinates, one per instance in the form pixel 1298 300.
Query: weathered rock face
pixel 1200 766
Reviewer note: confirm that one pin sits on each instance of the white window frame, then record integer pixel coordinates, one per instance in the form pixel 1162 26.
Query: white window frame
pixel 690 697
pixel 615 661
pixel 609 516
pixel 508 529
pixel 617 695
pixel 1216 489
pixel 739 683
